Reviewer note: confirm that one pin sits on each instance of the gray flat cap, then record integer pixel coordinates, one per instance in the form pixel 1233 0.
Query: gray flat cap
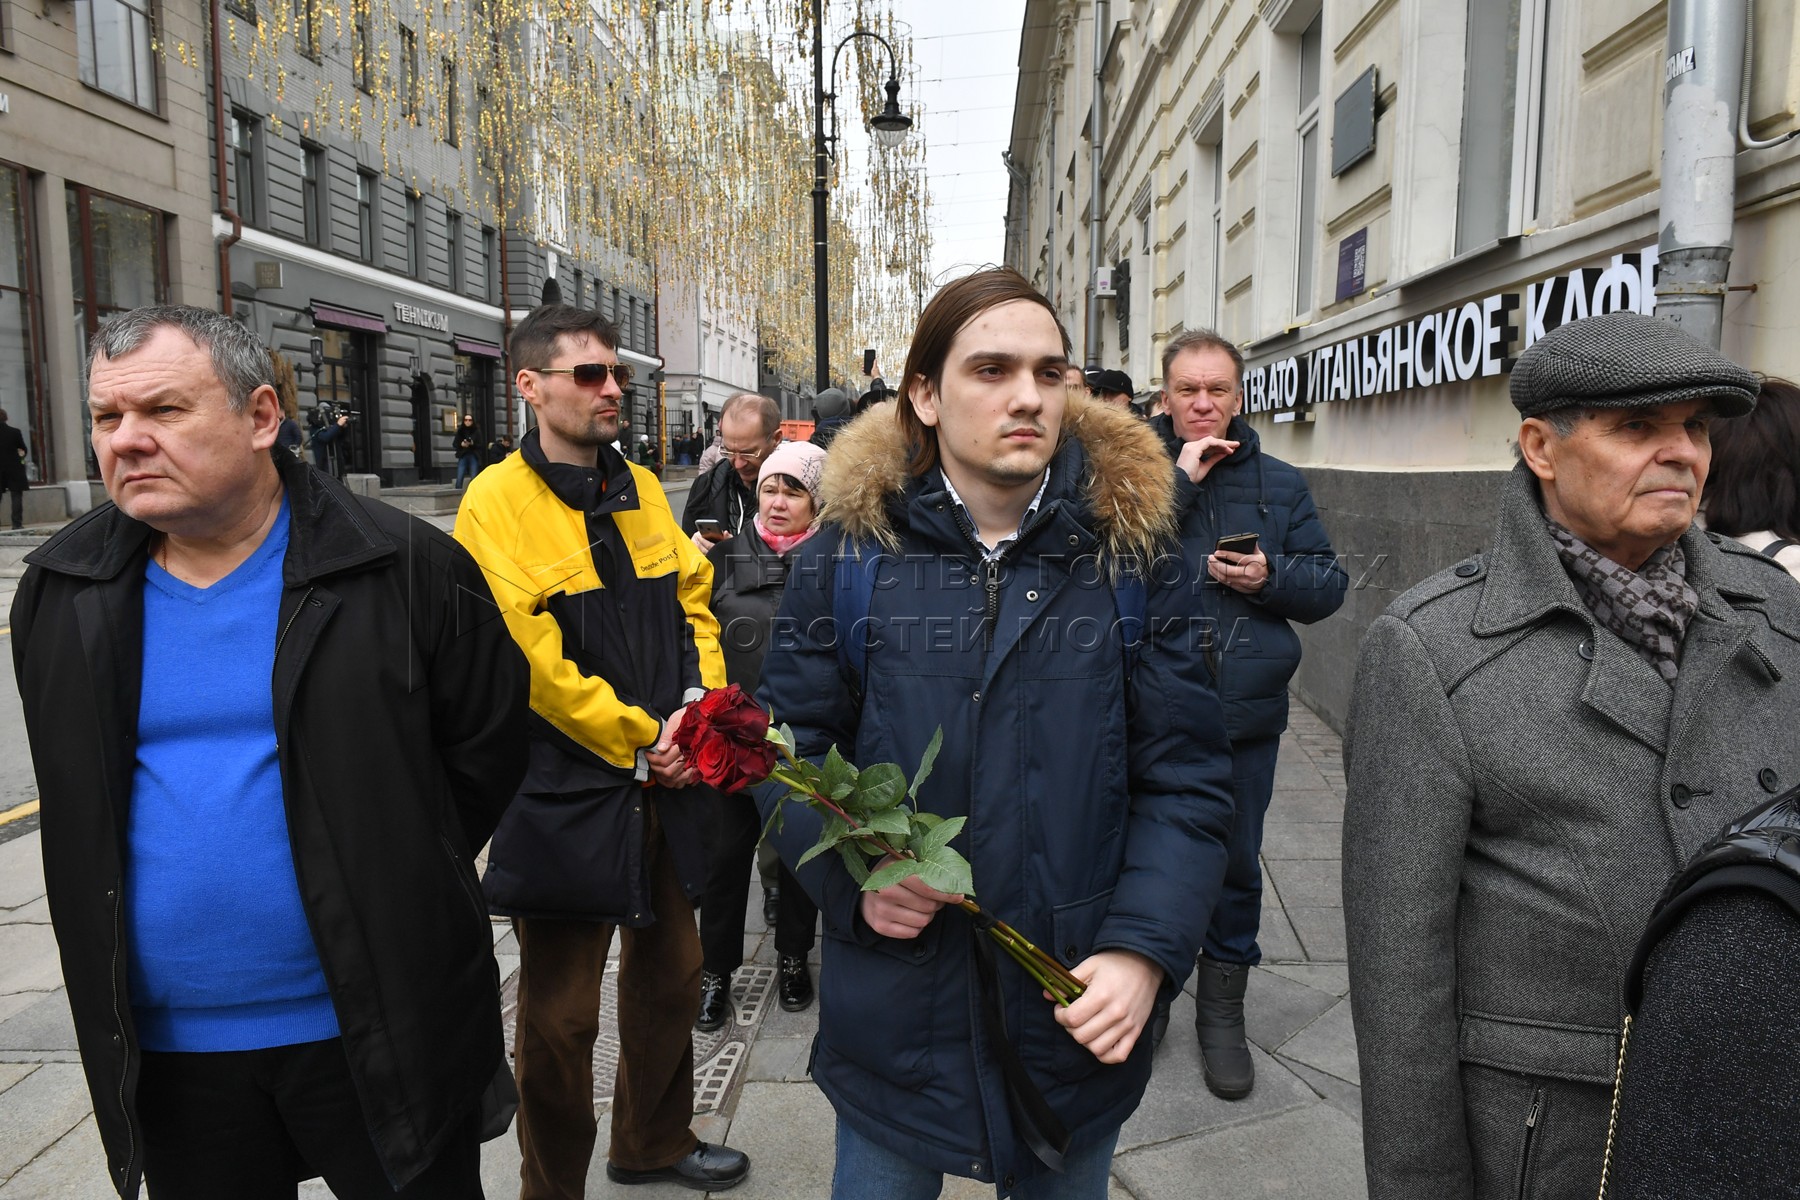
pixel 1627 360
pixel 832 402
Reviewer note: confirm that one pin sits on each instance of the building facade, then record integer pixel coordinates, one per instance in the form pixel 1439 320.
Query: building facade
pixel 104 206
pixel 1382 202
pixel 367 249
pixel 709 352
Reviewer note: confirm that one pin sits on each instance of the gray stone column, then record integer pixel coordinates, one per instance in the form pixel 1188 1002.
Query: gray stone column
pixel 67 433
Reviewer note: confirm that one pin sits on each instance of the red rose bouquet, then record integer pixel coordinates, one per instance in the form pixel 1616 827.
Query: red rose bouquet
pixel 872 819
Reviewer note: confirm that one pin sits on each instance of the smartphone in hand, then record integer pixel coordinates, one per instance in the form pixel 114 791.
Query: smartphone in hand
pixel 710 529
pixel 1238 543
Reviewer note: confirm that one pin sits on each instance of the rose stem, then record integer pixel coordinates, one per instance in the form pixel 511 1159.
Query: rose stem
pixel 1023 951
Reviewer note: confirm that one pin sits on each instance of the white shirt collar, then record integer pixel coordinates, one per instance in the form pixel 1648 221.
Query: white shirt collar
pixel 991 552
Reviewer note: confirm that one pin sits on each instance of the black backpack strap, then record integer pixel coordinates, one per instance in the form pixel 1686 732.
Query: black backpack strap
pixel 1776 547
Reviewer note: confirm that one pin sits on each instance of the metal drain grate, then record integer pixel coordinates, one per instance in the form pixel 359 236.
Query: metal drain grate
pixel 718 1056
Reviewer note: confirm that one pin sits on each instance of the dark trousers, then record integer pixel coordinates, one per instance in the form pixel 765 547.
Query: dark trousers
pixel 724 903
pixel 560 967
pixel 1232 935
pixel 18 504
pixel 249 1124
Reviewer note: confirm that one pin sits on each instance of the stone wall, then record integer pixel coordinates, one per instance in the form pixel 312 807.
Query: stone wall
pixel 1391 529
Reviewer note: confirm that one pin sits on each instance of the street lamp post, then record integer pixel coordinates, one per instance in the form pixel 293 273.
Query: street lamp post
pixel 890 127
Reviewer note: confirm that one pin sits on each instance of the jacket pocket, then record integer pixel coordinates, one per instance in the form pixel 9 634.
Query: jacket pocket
pixel 1533 1137
pixel 1533 1116
pixel 578 855
pixel 1073 927
pixel 1554 1050
pixel 876 1005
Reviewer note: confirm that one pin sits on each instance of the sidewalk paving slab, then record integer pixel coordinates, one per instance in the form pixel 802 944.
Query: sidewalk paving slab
pixel 37 1111
pixel 28 958
pixel 72 1169
pixel 1312 1153
pixel 21 872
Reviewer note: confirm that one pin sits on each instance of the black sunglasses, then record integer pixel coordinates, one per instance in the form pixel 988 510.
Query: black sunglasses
pixel 588 374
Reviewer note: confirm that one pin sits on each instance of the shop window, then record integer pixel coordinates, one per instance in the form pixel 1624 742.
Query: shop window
pixel 312 193
pixel 247 168
pixel 453 238
pixel 1502 120
pixel 116 45
pixel 452 112
pixel 306 28
pixel 21 348
pixel 118 260
pixel 409 75
pixel 363 47
pixel 490 275
pixel 414 235
pixel 368 187
pixel 1306 129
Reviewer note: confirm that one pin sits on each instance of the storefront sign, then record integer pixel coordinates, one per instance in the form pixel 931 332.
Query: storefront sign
pixel 1473 340
pixel 424 318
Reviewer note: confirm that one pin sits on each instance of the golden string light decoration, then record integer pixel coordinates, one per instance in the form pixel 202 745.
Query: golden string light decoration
pixel 665 139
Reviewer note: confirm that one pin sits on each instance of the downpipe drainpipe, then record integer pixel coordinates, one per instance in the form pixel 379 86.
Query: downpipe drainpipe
pixel 1703 77
pixel 1097 127
pixel 226 304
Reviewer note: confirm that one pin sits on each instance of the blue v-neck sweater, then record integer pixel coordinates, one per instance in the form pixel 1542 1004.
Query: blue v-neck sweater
pixel 219 953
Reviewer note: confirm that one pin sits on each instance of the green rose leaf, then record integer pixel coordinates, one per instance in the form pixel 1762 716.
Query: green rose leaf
pixel 881 786
pixel 938 836
pixel 927 761
pixel 891 823
pixel 817 849
pixel 894 872
pixel 787 737
pixel 853 862
pixel 923 821
pixel 947 871
pixel 837 778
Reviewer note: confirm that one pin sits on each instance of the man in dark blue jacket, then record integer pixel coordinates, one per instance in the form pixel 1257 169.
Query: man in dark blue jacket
pixel 1283 570
pixel 1094 778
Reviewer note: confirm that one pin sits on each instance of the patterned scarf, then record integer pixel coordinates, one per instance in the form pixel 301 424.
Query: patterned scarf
pixel 1648 608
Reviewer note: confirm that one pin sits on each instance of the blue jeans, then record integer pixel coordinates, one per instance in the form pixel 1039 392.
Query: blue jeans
pixel 1231 937
pixel 866 1171
pixel 467 466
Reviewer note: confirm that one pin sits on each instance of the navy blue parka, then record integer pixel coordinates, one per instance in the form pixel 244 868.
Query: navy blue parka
pixel 1257 651
pixel 1098 806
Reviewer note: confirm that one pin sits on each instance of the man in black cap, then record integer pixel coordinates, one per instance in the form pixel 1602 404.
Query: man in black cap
pixel 1539 737
pixel 1110 387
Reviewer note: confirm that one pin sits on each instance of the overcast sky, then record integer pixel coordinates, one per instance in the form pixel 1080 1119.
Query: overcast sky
pixel 968 54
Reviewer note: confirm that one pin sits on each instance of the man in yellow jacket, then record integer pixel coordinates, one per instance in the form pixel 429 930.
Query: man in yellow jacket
pixel 608 599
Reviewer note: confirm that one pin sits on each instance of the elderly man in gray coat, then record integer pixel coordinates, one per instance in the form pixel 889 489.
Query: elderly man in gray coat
pixel 1540 736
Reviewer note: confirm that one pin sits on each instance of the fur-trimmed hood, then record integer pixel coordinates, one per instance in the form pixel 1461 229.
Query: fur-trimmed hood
pixel 1127 487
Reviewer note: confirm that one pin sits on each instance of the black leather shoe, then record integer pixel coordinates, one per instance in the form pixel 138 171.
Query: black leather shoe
pixel 708 1169
pixel 715 1002
pixel 795 986
pixel 771 905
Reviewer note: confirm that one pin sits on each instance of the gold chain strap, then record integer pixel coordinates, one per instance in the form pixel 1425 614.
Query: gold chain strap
pixel 1612 1125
